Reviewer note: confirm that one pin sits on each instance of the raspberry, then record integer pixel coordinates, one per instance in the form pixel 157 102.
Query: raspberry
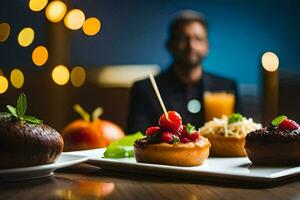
pixel 166 137
pixel 172 122
pixel 184 132
pixel 184 140
pixel 152 130
pixel 194 136
pixel 190 133
pixel 288 124
pixel 181 129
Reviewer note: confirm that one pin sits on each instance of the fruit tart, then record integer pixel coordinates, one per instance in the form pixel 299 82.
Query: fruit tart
pixel 275 145
pixel 172 143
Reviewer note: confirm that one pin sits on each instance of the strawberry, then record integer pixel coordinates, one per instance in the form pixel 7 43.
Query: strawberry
pixel 288 124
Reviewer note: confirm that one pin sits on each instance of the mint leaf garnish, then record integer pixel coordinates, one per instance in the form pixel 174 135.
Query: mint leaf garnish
pixel 12 110
pixel 190 128
pixel 32 119
pixel 175 139
pixel 278 120
pixel 19 112
pixel 235 117
pixel 21 105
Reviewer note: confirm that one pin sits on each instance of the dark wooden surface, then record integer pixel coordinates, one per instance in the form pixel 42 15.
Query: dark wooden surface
pixel 88 182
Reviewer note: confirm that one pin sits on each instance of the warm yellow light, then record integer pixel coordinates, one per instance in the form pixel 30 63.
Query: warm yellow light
pixel 17 78
pixel 91 26
pixel 270 61
pixel 74 19
pixel 37 5
pixel 56 11
pixel 40 55
pixel 26 37
pixel 60 75
pixel 77 76
pixel 3 84
pixel 4 31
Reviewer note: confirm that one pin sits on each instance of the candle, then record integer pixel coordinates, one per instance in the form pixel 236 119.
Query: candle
pixel 270 63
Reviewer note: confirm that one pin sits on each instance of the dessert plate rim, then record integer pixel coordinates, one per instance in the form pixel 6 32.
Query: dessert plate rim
pixel 40 171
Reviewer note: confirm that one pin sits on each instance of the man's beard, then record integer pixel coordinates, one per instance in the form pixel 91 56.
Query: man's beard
pixel 187 63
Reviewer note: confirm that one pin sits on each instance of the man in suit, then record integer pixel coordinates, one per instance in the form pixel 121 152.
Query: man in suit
pixel 183 84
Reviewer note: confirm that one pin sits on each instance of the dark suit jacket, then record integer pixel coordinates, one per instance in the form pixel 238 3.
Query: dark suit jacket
pixel 145 109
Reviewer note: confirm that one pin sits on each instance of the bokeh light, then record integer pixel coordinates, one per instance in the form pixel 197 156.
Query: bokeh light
pixel 56 11
pixel 270 61
pixel 4 31
pixel 74 19
pixel 26 37
pixel 91 26
pixel 37 5
pixel 17 78
pixel 60 75
pixel 40 55
pixel 77 76
pixel 3 84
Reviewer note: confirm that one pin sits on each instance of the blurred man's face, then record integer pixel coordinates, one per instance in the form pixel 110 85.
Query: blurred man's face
pixel 191 45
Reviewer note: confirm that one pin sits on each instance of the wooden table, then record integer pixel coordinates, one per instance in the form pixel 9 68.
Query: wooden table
pixel 87 182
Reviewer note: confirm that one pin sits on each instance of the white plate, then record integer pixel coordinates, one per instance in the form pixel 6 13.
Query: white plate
pixel 40 171
pixel 220 168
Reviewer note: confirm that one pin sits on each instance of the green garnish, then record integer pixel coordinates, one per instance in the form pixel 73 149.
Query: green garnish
pixel 19 111
pixel 235 117
pixel 190 128
pixel 122 148
pixel 278 120
pixel 175 139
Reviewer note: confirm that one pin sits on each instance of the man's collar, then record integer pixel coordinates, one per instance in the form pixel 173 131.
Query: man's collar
pixel 176 82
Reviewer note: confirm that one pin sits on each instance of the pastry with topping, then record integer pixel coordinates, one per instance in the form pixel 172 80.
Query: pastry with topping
pixel 275 145
pixel 172 143
pixel 227 134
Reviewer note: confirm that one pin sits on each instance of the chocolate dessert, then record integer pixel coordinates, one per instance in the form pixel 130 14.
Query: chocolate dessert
pixel 24 140
pixel 277 144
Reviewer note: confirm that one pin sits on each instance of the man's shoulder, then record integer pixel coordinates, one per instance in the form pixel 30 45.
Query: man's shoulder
pixel 141 84
pixel 145 83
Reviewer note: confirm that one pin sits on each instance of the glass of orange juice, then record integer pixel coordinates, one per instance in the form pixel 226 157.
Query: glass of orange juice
pixel 218 103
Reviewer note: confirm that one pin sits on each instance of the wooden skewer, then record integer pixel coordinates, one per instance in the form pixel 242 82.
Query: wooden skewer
pixel 154 85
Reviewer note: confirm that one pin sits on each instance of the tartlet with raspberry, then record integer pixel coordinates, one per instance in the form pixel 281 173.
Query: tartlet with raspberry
pixel 277 144
pixel 172 143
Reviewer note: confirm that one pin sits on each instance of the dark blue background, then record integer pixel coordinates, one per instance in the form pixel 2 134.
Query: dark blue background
pixel 134 32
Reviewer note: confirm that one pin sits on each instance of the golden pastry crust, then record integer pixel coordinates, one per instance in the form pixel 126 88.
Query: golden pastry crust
pixel 222 146
pixel 187 154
